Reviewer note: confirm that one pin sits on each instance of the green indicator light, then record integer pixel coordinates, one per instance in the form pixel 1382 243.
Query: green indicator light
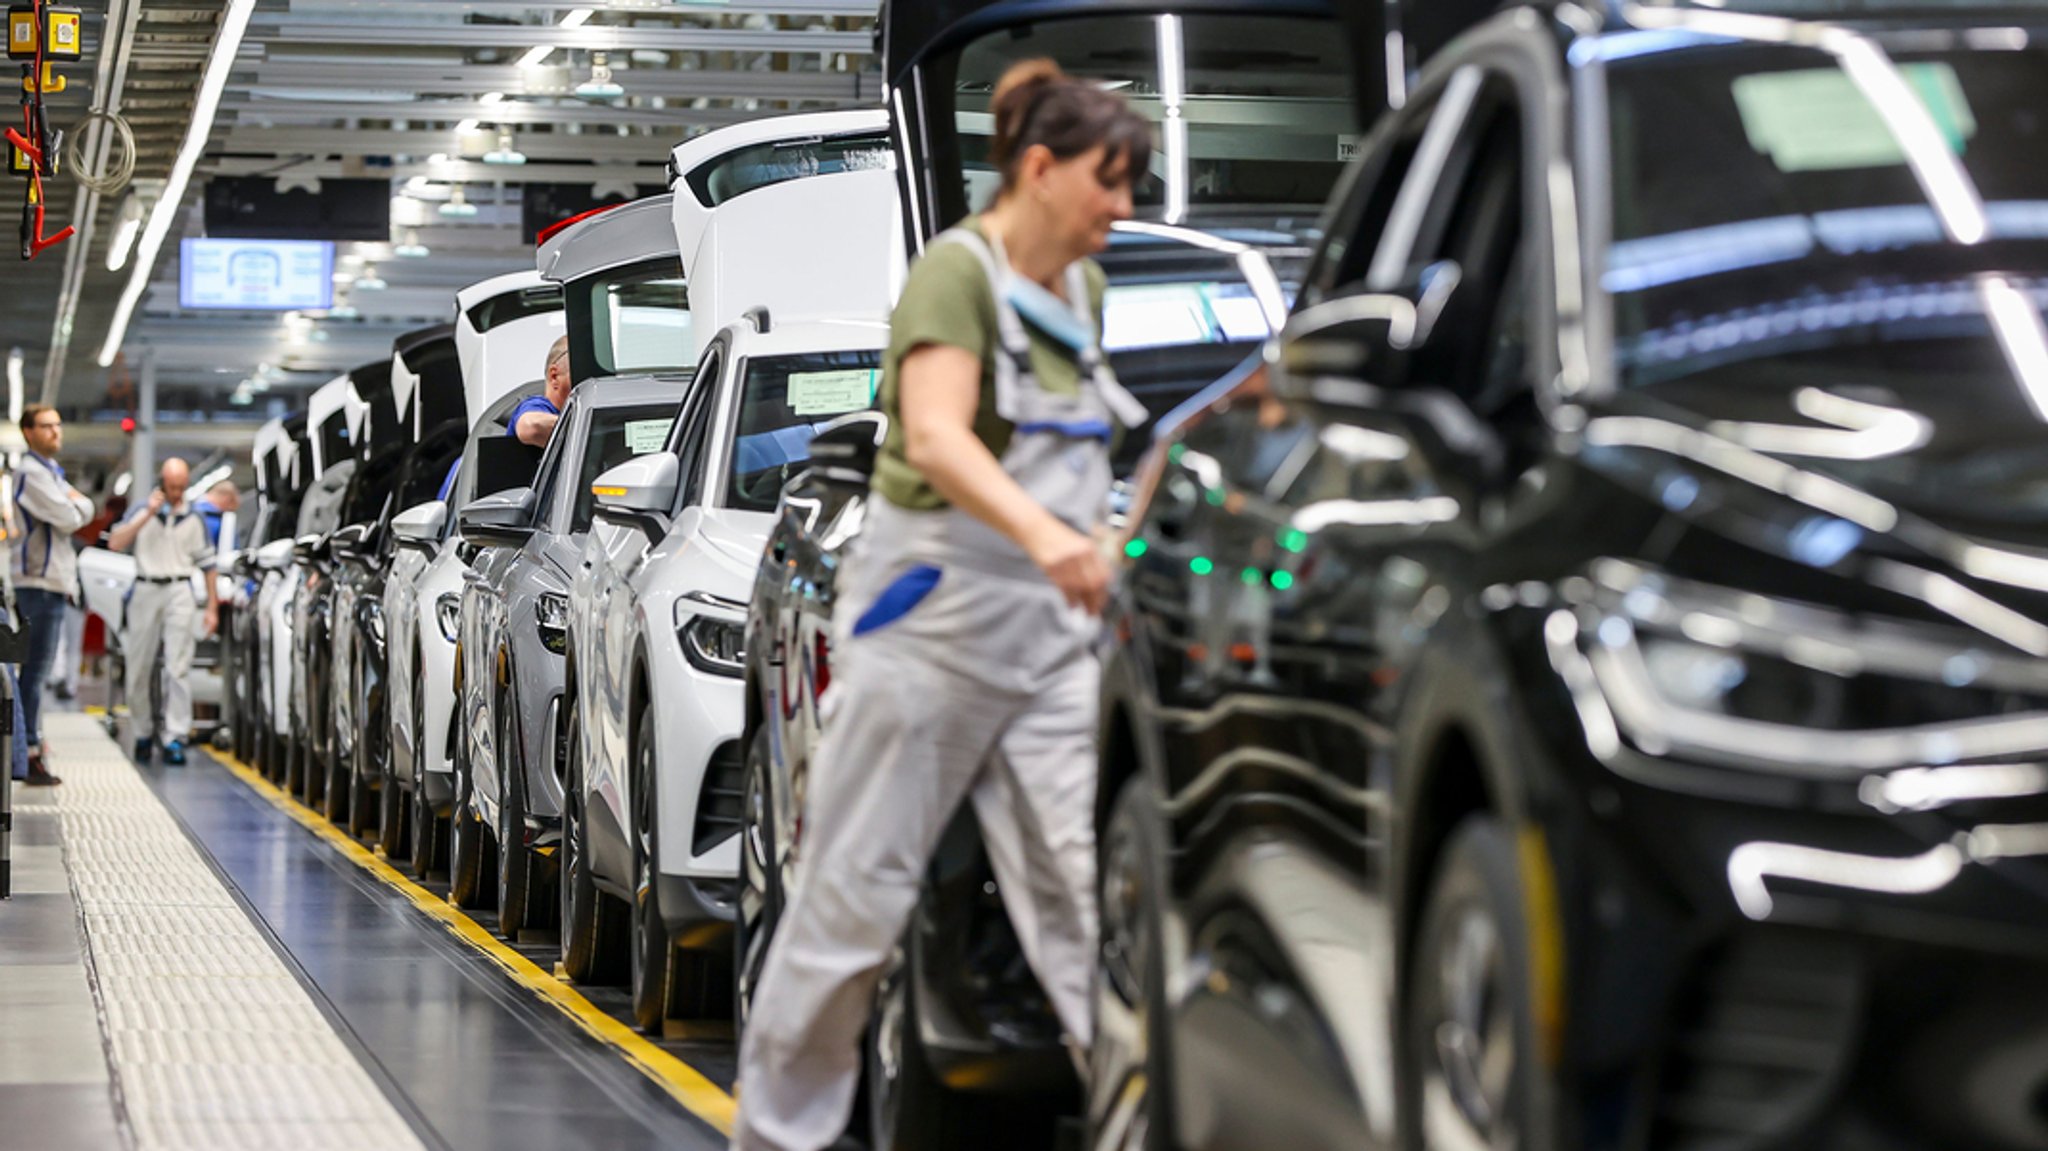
pixel 1135 548
pixel 1200 565
pixel 1215 496
pixel 1251 576
pixel 1283 580
pixel 1293 539
pixel 1175 452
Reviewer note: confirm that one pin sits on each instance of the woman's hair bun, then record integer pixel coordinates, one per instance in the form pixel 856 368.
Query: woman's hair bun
pixel 1016 92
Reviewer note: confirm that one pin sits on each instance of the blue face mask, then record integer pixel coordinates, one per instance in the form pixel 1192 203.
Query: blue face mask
pixel 1048 313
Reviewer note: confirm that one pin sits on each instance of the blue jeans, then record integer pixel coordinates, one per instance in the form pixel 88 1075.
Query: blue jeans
pixel 20 748
pixel 42 612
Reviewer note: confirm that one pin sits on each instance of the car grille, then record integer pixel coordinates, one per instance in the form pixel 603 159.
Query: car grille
pixel 1760 1043
pixel 719 806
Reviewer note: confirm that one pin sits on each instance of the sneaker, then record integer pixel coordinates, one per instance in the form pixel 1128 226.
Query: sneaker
pixel 143 748
pixel 174 753
pixel 65 692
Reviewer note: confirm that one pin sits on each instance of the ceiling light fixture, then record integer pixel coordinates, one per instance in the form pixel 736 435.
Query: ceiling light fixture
pixel 234 23
pixel 465 127
pixel 369 281
pixel 411 249
pixel 505 152
pixel 127 226
pixel 575 19
pixel 458 205
pixel 601 85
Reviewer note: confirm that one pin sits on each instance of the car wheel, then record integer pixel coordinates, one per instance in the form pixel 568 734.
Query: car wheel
pixel 365 793
pixel 515 860
pixel 1469 1026
pixel 909 1107
pixel 426 824
pixel 1130 1084
pixel 394 816
pixel 653 952
pixel 760 896
pixel 594 925
pixel 469 856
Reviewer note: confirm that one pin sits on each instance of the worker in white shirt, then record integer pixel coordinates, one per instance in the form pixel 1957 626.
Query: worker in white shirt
pixel 47 510
pixel 169 539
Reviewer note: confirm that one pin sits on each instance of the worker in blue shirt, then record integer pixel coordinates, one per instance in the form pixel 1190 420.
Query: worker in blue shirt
pixel 533 421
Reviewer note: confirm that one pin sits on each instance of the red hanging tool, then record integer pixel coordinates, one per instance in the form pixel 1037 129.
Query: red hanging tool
pixel 35 148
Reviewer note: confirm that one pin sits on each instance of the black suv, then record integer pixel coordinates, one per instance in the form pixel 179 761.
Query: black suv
pixel 1586 691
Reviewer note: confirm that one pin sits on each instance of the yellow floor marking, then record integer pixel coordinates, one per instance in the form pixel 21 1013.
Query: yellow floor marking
pixel 699 1095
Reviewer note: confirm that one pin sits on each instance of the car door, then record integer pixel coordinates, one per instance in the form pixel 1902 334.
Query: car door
pixel 1299 557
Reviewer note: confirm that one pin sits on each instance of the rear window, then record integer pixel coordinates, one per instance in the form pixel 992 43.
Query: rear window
pixel 503 309
pixel 617 435
pixel 636 319
pixel 765 165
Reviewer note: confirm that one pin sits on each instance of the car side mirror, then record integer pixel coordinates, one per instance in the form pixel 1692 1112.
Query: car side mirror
pixel 351 544
pixel 1365 337
pixel 504 520
pixel 640 492
pixel 275 555
pixel 419 527
pixel 846 447
pixel 308 549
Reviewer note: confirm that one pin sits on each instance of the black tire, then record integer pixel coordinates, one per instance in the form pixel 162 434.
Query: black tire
pixel 516 862
pixel 429 830
pixel 365 799
pixel 595 926
pixel 470 847
pixel 394 818
pixel 653 952
pixel 909 1107
pixel 1468 990
pixel 760 896
pixel 1130 1066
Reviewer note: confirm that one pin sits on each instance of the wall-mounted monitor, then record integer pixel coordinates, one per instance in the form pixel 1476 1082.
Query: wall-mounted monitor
pixel 260 275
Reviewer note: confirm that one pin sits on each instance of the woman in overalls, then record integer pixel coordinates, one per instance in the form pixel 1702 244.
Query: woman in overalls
pixel 966 611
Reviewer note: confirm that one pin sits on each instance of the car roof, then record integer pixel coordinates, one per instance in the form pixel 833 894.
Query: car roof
pixel 628 391
pixel 803 336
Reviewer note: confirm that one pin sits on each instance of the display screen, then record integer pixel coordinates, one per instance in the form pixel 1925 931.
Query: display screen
pixel 261 275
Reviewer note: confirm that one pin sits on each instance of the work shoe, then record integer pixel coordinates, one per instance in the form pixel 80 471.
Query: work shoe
pixel 174 753
pixel 64 692
pixel 143 748
pixel 38 774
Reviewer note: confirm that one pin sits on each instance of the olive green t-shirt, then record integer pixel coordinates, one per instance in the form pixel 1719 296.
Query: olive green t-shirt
pixel 947 300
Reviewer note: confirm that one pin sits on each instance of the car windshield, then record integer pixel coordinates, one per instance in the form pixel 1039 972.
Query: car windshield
pixel 617 435
pixel 785 401
pixel 1255 110
pixel 1827 244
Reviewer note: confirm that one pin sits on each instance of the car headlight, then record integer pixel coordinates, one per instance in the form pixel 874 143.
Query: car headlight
pixel 1681 670
pixel 448 613
pixel 715 644
pixel 551 612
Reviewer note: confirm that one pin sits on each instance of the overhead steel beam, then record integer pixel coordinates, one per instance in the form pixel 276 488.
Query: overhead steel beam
pixel 591 37
pixel 504 112
pixel 599 147
pixel 451 171
pixel 285 75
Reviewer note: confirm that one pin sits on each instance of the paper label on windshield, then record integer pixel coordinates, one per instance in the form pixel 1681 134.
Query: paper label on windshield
pixel 1347 146
pixel 832 393
pixel 1818 120
pixel 643 436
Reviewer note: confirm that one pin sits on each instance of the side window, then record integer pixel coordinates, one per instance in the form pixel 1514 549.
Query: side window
pixel 547 477
pixel 694 425
pixel 1367 201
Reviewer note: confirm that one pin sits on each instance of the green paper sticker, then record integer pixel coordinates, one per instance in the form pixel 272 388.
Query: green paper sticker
pixel 832 393
pixel 643 436
pixel 1818 120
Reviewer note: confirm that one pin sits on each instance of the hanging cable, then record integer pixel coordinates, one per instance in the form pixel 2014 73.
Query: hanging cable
pixel 120 163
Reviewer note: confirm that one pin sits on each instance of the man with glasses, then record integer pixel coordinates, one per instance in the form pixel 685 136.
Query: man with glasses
pixel 533 421
pixel 48 509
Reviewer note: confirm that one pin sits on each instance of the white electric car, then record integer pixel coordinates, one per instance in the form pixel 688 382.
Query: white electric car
pixel 657 609
pixel 503 329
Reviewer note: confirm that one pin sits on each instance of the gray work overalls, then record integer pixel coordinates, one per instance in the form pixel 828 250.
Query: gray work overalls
pixel 961 673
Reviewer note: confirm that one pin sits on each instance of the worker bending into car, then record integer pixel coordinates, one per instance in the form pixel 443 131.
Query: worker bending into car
pixel 533 421
pixel 169 538
pixel 963 666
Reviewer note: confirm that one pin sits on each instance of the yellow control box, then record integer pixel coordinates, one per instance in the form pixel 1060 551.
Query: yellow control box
pixel 21 33
pixel 63 34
